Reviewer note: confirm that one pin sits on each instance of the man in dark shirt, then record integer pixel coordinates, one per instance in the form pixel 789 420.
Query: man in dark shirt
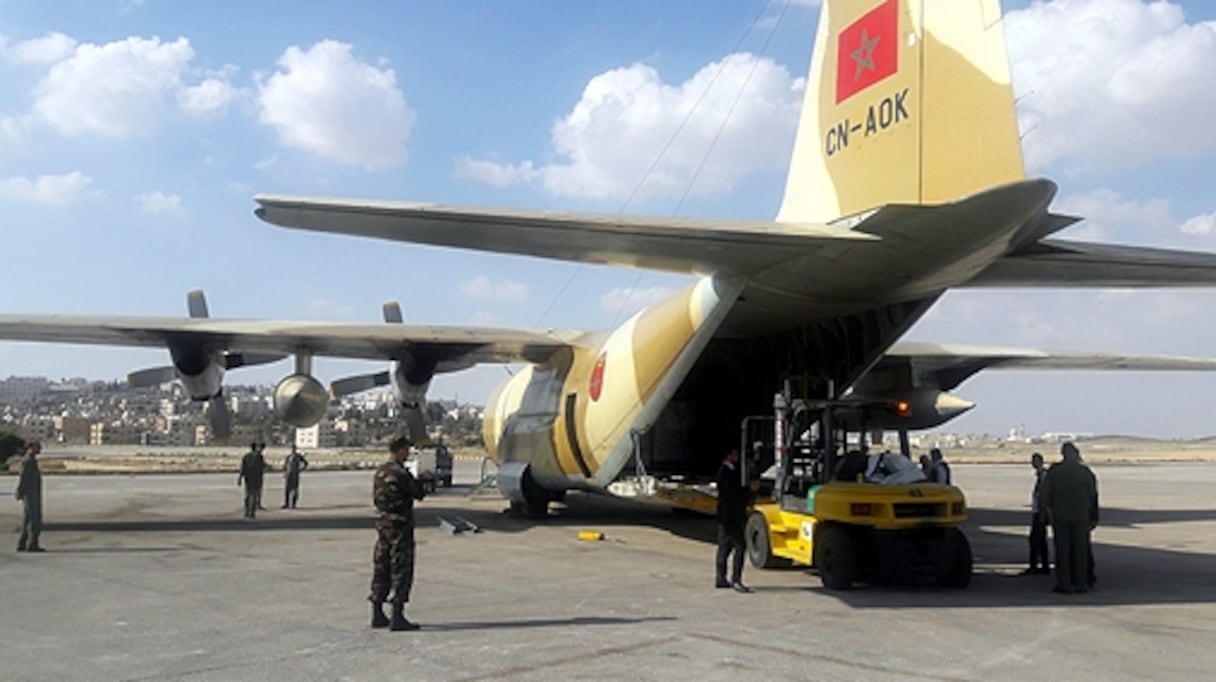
pixel 29 493
pixel 733 498
pixel 394 490
pixel 1070 492
pixel 253 466
pixel 1038 521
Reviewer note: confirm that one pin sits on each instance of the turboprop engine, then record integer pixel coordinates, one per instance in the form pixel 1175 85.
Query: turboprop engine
pixel 410 377
pixel 913 409
pixel 300 400
pixel 201 368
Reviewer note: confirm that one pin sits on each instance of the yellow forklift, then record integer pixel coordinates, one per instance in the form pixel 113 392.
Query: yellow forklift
pixel 828 501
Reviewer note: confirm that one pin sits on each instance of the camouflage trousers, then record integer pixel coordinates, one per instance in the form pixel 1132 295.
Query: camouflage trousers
pixel 393 563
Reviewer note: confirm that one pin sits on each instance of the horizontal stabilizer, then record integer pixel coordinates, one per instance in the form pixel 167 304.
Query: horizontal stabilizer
pixel 684 245
pixel 1060 263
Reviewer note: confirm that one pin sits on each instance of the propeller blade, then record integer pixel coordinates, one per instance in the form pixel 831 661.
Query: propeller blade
pixel 196 303
pixel 415 421
pixel 221 418
pixel 234 359
pixel 358 383
pixel 392 313
pixel 152 376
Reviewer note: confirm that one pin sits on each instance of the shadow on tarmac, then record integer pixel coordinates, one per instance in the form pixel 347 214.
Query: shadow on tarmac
pixel 544 623
pixel 1126 574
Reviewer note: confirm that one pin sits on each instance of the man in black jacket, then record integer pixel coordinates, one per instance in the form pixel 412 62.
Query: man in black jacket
pixel 733 498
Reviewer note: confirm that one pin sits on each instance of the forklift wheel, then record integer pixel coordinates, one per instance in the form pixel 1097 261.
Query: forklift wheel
pixel 835 558
pixel 759 549
pixel 956 562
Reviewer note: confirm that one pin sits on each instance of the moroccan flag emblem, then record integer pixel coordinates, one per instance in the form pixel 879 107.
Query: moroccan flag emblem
pixel 596 384
pixel 867 51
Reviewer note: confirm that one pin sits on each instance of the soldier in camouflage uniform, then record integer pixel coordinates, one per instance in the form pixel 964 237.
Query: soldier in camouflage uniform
pixel 394 490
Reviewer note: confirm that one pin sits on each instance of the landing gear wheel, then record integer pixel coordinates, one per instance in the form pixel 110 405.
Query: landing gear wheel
pixel 759 548
pixel 956 562
pixel 531 509
pixel 835 558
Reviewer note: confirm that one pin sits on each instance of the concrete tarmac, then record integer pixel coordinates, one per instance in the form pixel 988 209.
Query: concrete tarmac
pixel 156 577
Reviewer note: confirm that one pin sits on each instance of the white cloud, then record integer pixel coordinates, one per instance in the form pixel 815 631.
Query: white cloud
pixel 627 300
pixel 45 50
pixel 1105 82
pixel 630 109
pixel 117 89
pixel 495 174
pixel 1204 223
pixel 14 135
pixel 55 190
pixel 325 101
pixel 505 290
pixel 209 98
pixel 1109 216
pixel 160 204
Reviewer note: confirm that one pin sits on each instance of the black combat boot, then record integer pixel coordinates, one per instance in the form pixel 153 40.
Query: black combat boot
pixel 399 621
pixel 379 620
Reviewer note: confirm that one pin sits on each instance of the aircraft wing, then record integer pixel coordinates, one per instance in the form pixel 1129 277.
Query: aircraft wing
pixel 946 366
pixel 454 347
pixel 1061 263
pixel 684 245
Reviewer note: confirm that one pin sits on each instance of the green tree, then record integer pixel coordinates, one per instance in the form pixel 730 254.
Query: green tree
pixel 10 445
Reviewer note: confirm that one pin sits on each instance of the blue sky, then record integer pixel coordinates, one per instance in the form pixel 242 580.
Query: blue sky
pixel 133 136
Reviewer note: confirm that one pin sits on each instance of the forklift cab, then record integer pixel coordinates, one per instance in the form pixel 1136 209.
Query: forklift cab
pixel 809 443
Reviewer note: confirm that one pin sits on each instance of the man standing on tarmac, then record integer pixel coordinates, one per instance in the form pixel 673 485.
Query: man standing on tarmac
pixel 29 493
pixel 733 498
pixel 1070 492
pixel 394 490
pixel 1039 563
pixel 253 466
pixel 292 466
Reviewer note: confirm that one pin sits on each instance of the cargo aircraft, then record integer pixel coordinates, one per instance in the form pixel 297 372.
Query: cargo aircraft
pixel 906 181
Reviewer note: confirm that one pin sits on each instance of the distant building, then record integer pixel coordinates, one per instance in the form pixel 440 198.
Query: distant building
pixel 115 433
pixel 15 389
pixel 322 435
pixel 73 430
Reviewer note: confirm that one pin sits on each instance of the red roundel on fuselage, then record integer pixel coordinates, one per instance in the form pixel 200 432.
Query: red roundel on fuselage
pixel 596 383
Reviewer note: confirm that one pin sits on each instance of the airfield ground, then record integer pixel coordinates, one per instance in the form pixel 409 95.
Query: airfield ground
pixel 152 577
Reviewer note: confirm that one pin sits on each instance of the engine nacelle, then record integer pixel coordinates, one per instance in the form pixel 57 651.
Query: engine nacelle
pixel 201 372
pixel 912 409
pixel 410 380
pixel 300 400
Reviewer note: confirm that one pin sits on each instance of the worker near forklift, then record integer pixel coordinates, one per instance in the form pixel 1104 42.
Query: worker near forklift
pixel 1070 493
pixel 733 498
pixel 939 471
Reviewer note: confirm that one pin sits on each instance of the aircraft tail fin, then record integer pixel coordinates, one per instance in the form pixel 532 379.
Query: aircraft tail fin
pixel 907 101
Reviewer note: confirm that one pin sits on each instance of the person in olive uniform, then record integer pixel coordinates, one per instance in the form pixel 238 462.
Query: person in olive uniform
pixel 1070 493
pixel 733 498
pixel 253 467
pixel 394 490
pixel 292 466
pixel 29 493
